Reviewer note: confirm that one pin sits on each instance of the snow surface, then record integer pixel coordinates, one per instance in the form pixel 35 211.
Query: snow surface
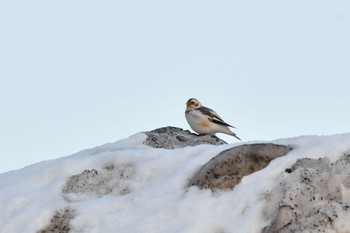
pixel 158 197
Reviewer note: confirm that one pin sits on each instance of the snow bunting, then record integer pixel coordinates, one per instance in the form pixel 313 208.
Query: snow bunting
pixel 204 120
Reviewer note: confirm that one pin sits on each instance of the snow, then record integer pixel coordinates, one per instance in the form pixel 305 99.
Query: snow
pixel 146 189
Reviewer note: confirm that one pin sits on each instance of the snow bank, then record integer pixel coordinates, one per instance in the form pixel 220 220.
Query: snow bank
pixel 130 187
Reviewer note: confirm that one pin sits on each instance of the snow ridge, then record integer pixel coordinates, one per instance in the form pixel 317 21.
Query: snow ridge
pixel 128 186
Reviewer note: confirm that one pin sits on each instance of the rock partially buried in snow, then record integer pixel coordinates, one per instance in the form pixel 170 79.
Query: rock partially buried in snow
pixel 60 222
pixel 228 168
pixel 112 179
pixel 315 197
pixel 172 137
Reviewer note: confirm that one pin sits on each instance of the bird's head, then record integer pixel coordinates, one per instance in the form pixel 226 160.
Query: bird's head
pixel 192 104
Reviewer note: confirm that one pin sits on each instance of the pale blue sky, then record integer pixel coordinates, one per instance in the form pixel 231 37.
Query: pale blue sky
pixel 77 74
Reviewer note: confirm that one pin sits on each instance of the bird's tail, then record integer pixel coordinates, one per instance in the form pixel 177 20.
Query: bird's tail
pixel 237 137
pixel 233 134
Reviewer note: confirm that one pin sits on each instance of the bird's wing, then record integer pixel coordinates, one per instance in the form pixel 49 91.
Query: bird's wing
pixel 213 116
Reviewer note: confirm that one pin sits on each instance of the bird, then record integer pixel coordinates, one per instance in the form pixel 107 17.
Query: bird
pixel 206 121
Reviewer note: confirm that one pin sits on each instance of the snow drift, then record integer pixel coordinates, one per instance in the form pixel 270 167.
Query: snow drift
pixel 128 186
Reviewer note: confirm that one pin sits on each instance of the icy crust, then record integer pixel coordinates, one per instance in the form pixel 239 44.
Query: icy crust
pixel 315 197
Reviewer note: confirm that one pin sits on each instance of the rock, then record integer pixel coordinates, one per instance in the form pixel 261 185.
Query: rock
pixel 59 222
pixel 113 178
pixel 227 169
pixel 315 197
pixel 172 137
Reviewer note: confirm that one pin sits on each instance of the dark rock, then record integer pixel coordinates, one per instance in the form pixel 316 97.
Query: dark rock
pixel 314 197
pixel 172 137
pixel 227 169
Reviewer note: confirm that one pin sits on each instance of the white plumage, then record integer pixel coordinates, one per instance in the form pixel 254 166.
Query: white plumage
pixel 204 120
